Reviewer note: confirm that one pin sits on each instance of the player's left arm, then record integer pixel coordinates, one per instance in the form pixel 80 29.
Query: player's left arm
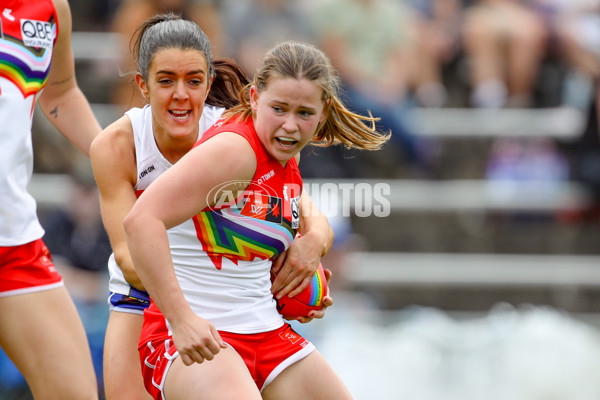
pixel 62 101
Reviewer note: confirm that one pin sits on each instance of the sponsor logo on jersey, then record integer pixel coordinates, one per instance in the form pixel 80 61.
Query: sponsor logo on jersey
pixel 266 177
pixel 291 336
pixel 37 34
pixel 294 204
pixel 146 171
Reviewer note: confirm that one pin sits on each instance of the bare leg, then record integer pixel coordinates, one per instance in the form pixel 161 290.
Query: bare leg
pixel 483 44
pixel 43 335
pixel 311 378
pixel 122 371
pixel 525 51
pixel 225 377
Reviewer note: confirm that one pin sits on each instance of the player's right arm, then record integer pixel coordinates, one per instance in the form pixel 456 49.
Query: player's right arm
pixel 62 100
pixel 113 159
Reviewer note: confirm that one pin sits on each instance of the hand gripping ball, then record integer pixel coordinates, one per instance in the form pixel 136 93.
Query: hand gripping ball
pixel 309 299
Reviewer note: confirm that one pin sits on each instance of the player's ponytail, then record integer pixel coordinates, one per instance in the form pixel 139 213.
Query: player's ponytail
pixel 229 80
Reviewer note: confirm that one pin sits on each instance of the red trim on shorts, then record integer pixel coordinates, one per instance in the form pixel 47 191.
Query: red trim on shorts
pixel 27 268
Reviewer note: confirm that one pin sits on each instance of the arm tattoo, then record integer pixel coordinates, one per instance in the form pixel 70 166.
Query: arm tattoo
pixel 61 82
pixel 54 112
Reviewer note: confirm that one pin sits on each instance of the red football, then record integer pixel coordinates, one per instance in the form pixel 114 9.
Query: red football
pixel 309 299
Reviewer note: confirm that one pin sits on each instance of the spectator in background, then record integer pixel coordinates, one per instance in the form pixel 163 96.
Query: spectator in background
pixel 372 45
pixel 132 13
pixel 535 160
pixel 579 31
pixel 437 24
pixel 577 28
pixel 504 42
pixel 254 26
pixel 92 15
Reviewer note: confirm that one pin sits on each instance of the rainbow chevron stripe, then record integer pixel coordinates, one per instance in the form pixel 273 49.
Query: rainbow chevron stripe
pixel 229 234
pixel 27 68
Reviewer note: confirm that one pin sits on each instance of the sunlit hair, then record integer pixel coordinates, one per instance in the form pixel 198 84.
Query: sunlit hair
pixel 303 61
pixel 169 31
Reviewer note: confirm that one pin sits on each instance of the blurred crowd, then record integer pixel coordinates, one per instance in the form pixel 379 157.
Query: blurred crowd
pixel 391 52
pixel 397 56
pixel 394 56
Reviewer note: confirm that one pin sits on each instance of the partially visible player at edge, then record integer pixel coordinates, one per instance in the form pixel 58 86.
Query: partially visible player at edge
pixel 40 329
pixel 187 92
pixel 212 328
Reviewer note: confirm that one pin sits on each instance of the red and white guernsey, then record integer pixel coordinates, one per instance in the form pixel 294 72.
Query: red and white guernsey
pixel 28 30
pixel 150 165
pixel 222 258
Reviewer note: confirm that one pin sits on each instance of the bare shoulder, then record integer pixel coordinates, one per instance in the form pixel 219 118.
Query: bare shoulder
pixel 230 143
pixel 231 152
pixel 114 147
pixel 117 136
